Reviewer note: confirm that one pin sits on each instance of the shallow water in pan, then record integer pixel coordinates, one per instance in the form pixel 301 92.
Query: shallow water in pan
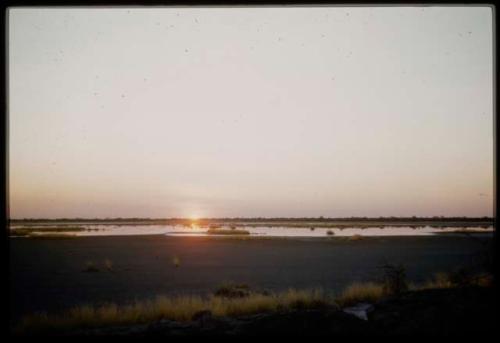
pixel 266 231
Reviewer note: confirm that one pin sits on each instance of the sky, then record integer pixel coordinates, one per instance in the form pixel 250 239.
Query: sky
pixel 250 112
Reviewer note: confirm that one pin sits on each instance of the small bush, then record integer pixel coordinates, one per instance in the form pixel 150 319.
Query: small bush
pixel 232 290
pixel 461 277
pixel 394 279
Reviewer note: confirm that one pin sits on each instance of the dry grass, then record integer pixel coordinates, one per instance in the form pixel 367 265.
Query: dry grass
pixel 440 280
pixel 361 292
pixel 36 232
pixel 176 261
pixel 183 308
pixel 179 308
pixel 446 280
pixel 484 280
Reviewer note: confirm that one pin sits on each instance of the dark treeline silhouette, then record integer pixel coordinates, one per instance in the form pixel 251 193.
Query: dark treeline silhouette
pixel 391 219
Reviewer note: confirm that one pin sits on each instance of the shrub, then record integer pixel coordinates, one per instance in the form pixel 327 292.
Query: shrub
pixel 460 277
pixel 232 290
pixel 394 279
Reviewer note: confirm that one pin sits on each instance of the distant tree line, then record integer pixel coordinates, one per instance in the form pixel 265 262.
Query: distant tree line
pixel 264 219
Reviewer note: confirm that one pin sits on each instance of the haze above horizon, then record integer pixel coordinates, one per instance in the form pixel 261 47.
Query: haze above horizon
pixel 250 112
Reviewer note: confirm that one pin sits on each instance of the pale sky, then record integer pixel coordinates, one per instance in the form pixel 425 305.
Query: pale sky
pixel 226 112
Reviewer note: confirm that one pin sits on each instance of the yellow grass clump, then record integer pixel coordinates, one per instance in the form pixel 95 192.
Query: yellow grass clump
pixel 484 280
pixel 440 280
pixel 361 292
pixel 176 261
pixel 445 280
pixel 181 308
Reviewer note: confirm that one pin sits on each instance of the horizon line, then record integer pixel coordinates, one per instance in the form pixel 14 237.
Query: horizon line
pixel 256 218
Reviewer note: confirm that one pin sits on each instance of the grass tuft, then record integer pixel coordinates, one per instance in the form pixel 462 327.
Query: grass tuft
pixel 451 280
pixel 176 261
pixel 440 280
pixel 361 292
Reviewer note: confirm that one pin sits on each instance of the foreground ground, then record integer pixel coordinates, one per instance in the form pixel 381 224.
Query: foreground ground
pixel 455 312
pixel 459 311
pixel 55 274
